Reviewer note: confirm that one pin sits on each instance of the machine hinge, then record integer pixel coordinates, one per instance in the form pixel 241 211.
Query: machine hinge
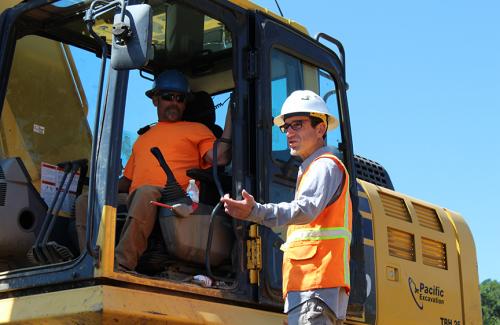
pixel 251 64
pixel 254 254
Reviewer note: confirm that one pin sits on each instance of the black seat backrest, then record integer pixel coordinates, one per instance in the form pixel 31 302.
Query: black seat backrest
pixel 200 108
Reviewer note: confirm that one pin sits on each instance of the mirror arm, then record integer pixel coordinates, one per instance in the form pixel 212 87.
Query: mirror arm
pixel 121 30
pixel 92 13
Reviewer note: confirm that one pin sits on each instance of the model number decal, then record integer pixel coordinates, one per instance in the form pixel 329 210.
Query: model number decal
pixel 448 321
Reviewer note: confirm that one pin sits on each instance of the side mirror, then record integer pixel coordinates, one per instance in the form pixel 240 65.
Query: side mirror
pixel 131 41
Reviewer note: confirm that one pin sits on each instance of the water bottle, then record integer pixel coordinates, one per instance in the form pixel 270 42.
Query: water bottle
pixel 193 192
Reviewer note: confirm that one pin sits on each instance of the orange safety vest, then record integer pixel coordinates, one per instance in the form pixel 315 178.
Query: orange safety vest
pixel 316 255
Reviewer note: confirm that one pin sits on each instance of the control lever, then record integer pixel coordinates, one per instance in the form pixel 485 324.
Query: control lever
pixel 44 251
pixel 172 193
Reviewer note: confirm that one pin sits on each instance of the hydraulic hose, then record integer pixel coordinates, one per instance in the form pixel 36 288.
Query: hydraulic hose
pixel 213 214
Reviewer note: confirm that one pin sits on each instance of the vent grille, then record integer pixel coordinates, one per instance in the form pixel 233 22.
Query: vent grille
pixel 3 193
pixel 2 175
pixel 372 172
pixel 401 244
pixel 434 253
pixel 428 217
pixel 395 207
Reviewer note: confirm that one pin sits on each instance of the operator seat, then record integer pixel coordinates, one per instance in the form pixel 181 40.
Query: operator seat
pixel 200 108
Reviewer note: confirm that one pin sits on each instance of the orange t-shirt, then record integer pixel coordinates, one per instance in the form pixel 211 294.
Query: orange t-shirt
pixel 183 145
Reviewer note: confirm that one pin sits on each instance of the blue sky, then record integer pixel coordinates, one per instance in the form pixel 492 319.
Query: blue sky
pixel 424 99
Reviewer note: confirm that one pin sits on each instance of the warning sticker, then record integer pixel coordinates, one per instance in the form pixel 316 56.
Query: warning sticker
pixel 38 129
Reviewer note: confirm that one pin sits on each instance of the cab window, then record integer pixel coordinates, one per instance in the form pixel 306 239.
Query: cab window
pixel 287 75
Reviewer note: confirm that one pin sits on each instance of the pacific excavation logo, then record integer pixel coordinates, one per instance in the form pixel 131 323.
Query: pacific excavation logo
pixel 432 294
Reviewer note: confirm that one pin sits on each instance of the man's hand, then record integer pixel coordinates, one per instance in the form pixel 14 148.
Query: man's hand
pixel 239 209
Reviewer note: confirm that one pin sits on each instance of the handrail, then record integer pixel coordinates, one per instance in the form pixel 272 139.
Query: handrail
pixel 340 47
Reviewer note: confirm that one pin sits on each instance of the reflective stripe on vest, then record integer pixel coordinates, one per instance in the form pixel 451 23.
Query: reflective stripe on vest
pixel 317 234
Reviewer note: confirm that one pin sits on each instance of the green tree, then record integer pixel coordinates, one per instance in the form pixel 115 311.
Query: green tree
pixel 127 144
pixel 490 302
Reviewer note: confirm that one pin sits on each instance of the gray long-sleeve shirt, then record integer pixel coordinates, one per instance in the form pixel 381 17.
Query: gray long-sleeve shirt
pixel 316 190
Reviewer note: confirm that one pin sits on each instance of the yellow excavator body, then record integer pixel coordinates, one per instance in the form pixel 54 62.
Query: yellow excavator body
pixel 417 260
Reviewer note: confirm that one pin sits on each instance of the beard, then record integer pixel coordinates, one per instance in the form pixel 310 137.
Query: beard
pixel 171 113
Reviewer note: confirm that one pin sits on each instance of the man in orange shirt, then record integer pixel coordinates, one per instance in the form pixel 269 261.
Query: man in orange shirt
pixel 185 145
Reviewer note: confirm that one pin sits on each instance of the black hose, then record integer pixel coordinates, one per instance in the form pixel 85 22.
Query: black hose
pixel 212 216
pixel 209 244
pixel 215 172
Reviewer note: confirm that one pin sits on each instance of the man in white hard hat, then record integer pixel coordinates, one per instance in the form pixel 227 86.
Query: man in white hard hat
pixel 316 253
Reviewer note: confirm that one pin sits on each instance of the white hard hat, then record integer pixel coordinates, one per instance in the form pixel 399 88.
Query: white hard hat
pixel 309 103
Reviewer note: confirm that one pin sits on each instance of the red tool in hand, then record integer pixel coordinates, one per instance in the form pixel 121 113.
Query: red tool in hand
pixel 163 205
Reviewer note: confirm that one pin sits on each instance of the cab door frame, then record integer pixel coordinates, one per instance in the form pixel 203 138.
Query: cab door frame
pixel 270 33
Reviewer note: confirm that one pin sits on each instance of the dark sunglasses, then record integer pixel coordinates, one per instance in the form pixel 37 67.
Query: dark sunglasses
pixel 170 97
pixel 295 125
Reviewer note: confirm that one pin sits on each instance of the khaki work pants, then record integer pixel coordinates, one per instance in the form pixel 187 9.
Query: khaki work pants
pixel 81 204
pixel 140 221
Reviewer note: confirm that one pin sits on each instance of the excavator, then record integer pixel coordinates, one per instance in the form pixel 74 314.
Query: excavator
pixel 412 262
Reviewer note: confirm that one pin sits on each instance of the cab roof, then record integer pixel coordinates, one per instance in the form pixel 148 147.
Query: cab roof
pixel 249 5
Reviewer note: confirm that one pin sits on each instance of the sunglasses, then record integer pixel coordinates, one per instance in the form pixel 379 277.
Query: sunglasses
pixel 295 125
pixel 170 97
